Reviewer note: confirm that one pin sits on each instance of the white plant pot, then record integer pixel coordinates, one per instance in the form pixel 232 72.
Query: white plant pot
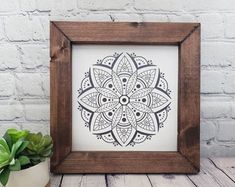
pixel 36 176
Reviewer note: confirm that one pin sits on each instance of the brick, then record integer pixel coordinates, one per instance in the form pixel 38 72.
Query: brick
pixel 29 84
pixel 208 130
pixel 61 7
pixel 21 28
pixel 233 110
pixel 7 85
pixel 37 31
pixel 218 54
pixel 211 25
pixel 8 5
pixel 182 18
pixel 32 5
pixel 10 57
pixel 27 5
pixel 209 5
pixel 10 110
pixel 185 5
pixel 4 126
pixel 45 22
pixel 218 150
pixel 34 56
pixel 230 26
pixel 160 5
pixel 92 17
pixel 226 130
pixel 44 5
pixel 125 17
pixel 18 28
pixel 207 149
pixel 2 36
pixel 155 17
pixel 215 109
pixel 212 81
pixel 102 4
pixel 229 85
pixel 37 112
pixel 46 84
pixel 36 127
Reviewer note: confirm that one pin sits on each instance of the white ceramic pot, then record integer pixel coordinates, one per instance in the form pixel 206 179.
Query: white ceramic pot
pixel 36 176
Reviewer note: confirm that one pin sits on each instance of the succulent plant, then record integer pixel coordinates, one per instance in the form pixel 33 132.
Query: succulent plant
pixel 10 158
pixel 20 149
pixel 39 147
pixel 13 135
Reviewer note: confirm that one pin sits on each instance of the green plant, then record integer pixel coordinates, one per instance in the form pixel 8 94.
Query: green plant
pixel 13 135
pixel 21 150
pixel 11 147
pixel 39 147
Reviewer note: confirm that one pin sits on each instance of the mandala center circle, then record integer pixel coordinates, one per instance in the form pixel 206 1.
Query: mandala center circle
pixel 124 100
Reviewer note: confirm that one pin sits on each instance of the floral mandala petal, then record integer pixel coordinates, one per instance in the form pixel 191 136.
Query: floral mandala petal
pixel 124 99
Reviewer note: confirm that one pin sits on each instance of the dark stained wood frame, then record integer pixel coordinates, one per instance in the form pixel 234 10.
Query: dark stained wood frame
pixel 186 36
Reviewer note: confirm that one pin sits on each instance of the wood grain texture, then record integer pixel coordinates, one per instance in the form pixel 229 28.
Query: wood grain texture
pixel 83 181
pixel 170 180
pixel 211 176
pixel 126 32
pixel 55 180
pixel 189 98
pixel 125 162
pixel 186 36
pixel 226 165
pixel 61 95
pixel 135 180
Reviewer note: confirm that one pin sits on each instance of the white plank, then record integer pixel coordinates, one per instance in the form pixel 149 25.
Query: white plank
pixel 71 180
pixel 170 180
pixel 210 176
pixel 55 180
pixel 83 181
pixel 128 180
pixel 227 165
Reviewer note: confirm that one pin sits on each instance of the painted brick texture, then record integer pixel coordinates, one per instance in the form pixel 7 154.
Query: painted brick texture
pixel 24 58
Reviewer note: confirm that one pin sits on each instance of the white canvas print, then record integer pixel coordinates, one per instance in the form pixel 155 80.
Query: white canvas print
pixel 124 98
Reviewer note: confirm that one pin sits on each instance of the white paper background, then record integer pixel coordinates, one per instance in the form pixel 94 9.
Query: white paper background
pixel 165 57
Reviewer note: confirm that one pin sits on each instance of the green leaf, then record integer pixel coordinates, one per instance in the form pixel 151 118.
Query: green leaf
pixel 4 163
pixel 46 153
pixel 4 153
pixel 4 144
pixel 4 176
pixel 39 147
pixel 4 156
pixel 49 147
pixel 16 166
pixel 48 140
pixel 24 160
pixel 34 157
pixel 15 147
pixel 8 139
pixel 17 134
pixel 22 147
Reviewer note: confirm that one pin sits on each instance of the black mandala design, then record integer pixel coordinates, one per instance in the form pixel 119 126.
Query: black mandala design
pixel 124 99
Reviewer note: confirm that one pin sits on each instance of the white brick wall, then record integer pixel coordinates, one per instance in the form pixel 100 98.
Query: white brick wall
pixel 24 57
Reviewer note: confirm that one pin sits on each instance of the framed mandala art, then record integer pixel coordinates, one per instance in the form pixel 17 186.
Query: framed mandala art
pixel 125 97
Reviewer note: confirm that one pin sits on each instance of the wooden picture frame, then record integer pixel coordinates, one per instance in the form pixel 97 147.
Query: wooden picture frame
pixel 186 36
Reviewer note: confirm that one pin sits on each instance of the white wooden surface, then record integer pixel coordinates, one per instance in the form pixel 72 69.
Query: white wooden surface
pixel 214 172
